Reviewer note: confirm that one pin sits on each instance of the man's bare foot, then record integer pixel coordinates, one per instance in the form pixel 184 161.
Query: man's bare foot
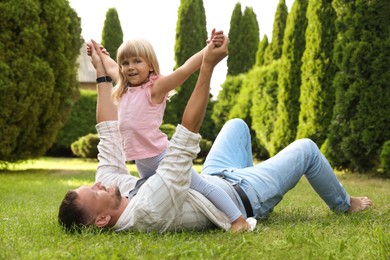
pixel 359 204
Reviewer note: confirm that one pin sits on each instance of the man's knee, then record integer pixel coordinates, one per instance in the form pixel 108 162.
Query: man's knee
pixel 307 143
pixel 237 123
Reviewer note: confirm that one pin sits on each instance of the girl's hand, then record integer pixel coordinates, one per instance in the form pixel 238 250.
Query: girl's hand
pixel 95 58
pixel 101 47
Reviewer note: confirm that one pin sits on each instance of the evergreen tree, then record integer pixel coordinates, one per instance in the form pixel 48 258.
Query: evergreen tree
pixel 261 51
pixel 263 111
pixel 208 129
pixel 317 94
pixel 361 118
pixel 243 44
pixel 289 81
pixel 39 44
pixel 234 61
pixel 226 99
pixel 81 122
pixel 244 40
pixel 274 50
pixel 191 35
pixel 249 39
pixel 242 103
pixel 112 35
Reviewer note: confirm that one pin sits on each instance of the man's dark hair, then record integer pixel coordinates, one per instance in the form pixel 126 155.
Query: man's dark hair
pixel 71 216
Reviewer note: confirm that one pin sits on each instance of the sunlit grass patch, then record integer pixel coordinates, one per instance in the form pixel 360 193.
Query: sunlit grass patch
pixel 301 226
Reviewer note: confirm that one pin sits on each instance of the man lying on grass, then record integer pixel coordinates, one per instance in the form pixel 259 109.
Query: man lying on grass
pixel 165 202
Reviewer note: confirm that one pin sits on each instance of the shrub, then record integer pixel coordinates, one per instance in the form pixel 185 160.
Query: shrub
pixel 385 157
pixel 81 122
pixel 168 129
pixel 86 146
pixel 39 45
pixel 205 146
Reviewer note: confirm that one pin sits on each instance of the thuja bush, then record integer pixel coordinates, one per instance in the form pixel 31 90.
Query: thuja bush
pixel 86 146
pixel 81 122
pixel 168 129
pixel 385 157
pixel 39 45
pixel 205 144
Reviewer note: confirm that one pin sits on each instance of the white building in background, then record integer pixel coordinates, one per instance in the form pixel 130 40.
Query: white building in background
pixel 86 72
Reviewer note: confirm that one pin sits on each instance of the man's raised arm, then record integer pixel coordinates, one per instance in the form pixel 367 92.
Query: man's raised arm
pixel 106 110
pixel 196 106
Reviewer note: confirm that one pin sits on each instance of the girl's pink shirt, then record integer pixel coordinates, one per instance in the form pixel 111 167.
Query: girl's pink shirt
pixel 140 121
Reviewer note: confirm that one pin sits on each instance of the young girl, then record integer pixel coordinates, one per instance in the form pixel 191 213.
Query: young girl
pixel 141 93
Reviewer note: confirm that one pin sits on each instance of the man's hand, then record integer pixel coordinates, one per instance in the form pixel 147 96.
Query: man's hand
pixel 106 110
pixel 110 66
pixel 214 33
pixel 216 50
pixel 196 107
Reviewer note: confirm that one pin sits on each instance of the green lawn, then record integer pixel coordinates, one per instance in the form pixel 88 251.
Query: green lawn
pixel 301 227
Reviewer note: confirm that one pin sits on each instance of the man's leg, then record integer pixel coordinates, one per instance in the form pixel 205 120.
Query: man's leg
pixel 231 149
pixel 267 182
pixel 283 171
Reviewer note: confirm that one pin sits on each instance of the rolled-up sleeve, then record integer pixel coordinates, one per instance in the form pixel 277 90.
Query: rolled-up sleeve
pixel 112 168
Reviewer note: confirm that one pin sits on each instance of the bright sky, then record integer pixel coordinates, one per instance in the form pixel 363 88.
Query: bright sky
pixel 155 20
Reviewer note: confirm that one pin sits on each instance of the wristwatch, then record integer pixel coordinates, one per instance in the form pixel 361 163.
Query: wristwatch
pixel 103 79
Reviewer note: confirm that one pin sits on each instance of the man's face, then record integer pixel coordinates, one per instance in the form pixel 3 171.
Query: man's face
pixel 98 199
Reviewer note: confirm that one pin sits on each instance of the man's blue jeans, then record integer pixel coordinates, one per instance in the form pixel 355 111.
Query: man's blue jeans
pixel 267 182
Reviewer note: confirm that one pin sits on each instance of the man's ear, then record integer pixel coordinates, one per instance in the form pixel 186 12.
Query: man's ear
pixel 102 220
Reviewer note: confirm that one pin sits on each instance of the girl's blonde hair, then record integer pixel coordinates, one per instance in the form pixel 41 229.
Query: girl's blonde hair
pixel 133 48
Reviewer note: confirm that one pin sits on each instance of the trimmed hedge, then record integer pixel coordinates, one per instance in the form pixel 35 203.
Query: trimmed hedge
pixel 81 122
